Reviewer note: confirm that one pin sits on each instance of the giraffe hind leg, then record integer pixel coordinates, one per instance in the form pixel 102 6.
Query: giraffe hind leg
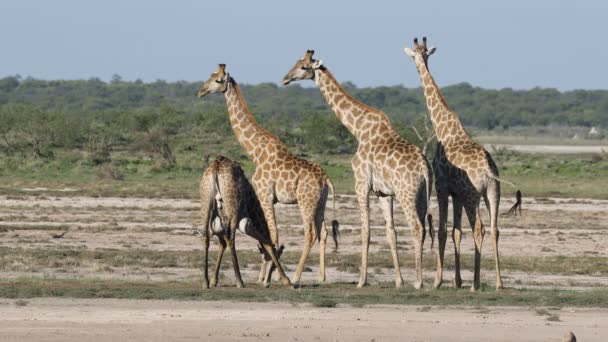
pixel 386 203
pixel 492 200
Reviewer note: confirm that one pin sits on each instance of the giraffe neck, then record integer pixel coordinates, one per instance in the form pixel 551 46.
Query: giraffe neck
pixel 356 116
pixel 245 128
pixel 445 121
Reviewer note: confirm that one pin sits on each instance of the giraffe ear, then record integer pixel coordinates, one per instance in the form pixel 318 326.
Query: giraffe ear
pixel 317 64
pixel 431 51
pixel 409 52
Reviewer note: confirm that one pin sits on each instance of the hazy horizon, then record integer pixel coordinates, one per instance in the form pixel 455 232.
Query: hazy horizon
pixel 518 45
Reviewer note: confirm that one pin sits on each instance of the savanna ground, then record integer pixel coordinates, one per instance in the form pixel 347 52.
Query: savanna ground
pixel 129 264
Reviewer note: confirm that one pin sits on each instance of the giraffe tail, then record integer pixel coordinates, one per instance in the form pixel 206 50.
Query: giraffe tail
pixel 428 178
pixel 335 226
pixel 516 208
pixel 209 199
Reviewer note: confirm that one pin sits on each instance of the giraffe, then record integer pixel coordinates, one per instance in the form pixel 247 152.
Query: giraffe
pixel 228 203
pixel 464 170
pixel 384 164
pixel 279 176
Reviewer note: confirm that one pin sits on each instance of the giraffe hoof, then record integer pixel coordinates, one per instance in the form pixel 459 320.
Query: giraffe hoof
pixel 361 284
pixel 240 285
pixel 457 283
pixel 437 283
pixel 266 284
pixel 474 288
pixel 417 285
pixel 499 286
pixel 285 281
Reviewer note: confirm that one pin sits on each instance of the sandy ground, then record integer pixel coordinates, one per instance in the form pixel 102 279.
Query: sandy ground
pixel 53 319
pixel 549 227
pixel 562 149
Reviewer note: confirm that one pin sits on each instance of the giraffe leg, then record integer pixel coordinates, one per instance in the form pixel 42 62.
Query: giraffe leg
pixel 478 233
pixel 205 239
pixel 492 199
pixel 322 247
pixel 309 237
pixel 283 278
pixel 363 199
pixel 221 247
pixel 415 217
pixel 235 262
pixel 456 237
pixel 386 203
pixel 442 198
pixel 321 227
pixel 267 204
pixel 262 275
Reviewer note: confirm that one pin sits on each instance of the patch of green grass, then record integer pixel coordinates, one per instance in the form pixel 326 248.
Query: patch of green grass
pixel 539 175
pixel 64 257
pixel 325 296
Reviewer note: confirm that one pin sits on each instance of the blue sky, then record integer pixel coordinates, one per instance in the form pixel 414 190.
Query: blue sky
pixel 517 44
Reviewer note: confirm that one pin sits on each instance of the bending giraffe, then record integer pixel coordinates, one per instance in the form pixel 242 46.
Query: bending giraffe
pixel 463 170
pixel 279 176
pixel 228 204
pixel 384 163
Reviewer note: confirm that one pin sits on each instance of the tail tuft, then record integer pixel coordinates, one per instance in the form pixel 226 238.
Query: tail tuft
pixel 335 232
pixel 516 208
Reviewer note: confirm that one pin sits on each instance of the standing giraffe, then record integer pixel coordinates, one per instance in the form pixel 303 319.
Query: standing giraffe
pixel 463 170
pixel 384 163
pixel 279 176
pixel 228 203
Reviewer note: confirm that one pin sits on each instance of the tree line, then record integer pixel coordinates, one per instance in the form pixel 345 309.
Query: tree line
pixel 37 116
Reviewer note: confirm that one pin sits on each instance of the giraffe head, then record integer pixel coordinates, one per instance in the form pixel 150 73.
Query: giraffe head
pixel 304 69
pixel 217 83
pixel 420 53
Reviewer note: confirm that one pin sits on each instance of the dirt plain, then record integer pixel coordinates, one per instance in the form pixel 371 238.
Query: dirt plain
pixel 549 227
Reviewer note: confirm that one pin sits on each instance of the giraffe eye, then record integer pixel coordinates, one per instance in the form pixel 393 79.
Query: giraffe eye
pixel 219 81
pixel 304 67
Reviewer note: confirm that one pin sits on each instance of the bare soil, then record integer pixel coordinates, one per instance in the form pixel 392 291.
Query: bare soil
pixel 549 227
pixel 52 319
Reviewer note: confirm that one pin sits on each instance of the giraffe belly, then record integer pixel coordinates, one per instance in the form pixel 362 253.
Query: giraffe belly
pixel 381 188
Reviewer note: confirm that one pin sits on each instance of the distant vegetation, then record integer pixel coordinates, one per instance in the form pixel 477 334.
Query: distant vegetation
pixel 154 136
pixel 98 116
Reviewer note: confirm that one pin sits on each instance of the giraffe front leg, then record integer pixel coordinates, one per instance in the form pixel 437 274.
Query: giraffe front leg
pixel 386 203
pixel 309 237
pixel 205 239
pixel 478 233
pixel 363 199
pixel 274 256
pixel 442 199
pixel 456 238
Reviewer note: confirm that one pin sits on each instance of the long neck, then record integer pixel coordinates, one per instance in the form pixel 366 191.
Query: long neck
pixel 445 121
pixel 356 116
pixel 245 128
